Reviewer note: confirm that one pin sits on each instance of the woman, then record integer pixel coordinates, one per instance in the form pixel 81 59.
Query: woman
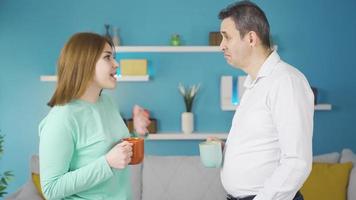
pixel 81 156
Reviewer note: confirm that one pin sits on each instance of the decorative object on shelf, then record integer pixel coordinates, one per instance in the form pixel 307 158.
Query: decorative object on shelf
pixel 168 49
pixel 315 92
pixel 107 32
pixel 152 128
pixel 116 37
pixel 231 91
pixel 5 178
pixel 133 67
pixel 215 38
pixel 187 122
pixel 175 40
pixel 187 118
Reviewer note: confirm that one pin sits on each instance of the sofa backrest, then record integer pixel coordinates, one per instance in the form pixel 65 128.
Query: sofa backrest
pixel 136 181
pixel 184 177
pixel 176 177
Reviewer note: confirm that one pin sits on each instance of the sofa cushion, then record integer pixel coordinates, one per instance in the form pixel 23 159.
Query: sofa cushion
pixel 327 181
pixel 333 157
pixel 180 177
pixel 27 192
pixel 136 181
pixel 348 156
pixel 37 182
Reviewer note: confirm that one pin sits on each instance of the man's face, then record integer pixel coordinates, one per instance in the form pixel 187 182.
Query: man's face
pixel 236 49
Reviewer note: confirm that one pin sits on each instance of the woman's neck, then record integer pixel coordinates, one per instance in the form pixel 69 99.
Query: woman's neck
pixel 91 94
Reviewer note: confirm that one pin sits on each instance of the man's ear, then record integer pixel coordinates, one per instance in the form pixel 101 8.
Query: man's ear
pixel 252 38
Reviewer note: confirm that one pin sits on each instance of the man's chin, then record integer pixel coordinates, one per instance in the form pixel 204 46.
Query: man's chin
pixel 229 61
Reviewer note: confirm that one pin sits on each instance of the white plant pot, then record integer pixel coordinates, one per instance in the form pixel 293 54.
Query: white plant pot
pixel 187 122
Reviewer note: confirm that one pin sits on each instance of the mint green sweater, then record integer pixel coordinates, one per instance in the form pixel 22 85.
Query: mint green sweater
pixel 74 139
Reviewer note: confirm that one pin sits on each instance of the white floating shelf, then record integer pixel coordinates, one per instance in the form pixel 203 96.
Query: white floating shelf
pixel 182 136
pixel 323 106
pixel 167 49
pixel 120 78
pixel 48 78
pixel 133 78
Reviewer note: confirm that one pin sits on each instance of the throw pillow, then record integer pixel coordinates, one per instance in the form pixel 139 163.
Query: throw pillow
pixel 327 181
pixel 36 181
pixel 348 156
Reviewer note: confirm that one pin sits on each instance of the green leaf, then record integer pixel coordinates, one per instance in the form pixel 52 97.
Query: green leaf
pixel 2 194
pixel 3 181
pixel 2 188
pixel 8 174
pixel 6 177
pixel 1 144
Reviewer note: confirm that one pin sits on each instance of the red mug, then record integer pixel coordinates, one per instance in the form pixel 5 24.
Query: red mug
pixel 137 149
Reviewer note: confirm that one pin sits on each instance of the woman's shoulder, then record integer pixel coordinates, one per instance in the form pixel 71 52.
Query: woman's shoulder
pixel 65 110
pixel 59 113
pixel 58 117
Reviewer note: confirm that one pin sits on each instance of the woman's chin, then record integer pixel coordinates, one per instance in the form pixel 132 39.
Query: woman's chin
pixel 111 85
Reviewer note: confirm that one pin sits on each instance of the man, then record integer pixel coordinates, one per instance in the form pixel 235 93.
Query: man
pixel 268 153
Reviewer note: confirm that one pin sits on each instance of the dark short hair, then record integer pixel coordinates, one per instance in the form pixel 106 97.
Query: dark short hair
pixel 248 17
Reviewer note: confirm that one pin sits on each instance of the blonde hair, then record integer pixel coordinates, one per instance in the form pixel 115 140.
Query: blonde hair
pixel 76 66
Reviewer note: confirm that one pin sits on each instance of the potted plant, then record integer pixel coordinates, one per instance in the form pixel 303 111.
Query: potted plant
pixel 188 94
pixel 6 176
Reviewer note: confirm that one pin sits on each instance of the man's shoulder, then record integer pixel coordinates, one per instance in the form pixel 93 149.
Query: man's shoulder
pixel 287 71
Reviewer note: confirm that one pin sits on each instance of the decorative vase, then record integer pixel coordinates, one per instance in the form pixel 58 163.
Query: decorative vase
pixel 107 32
pixel 187 122
pixel 175 40
pixel 116 37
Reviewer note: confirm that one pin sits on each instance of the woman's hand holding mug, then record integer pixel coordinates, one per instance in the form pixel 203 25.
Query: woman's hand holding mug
pixel 120 155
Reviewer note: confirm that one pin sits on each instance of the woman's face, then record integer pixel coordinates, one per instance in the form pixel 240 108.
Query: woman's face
pixel 105 69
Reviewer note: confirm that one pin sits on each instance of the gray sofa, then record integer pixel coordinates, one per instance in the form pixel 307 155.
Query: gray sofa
pixel 182 177
pixel 159 177
pixel 176 178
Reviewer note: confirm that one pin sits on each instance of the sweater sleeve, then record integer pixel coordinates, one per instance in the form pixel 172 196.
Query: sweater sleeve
pixel 56 151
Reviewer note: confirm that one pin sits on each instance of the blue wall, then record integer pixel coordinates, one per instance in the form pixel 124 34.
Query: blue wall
pixel 316 36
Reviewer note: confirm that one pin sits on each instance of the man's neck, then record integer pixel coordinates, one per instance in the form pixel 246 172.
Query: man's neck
pixel 258 57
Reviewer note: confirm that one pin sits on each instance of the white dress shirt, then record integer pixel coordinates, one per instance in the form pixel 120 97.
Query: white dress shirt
pixel 268 151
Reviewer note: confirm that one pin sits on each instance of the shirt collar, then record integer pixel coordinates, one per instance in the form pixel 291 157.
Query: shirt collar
pixel 266 69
